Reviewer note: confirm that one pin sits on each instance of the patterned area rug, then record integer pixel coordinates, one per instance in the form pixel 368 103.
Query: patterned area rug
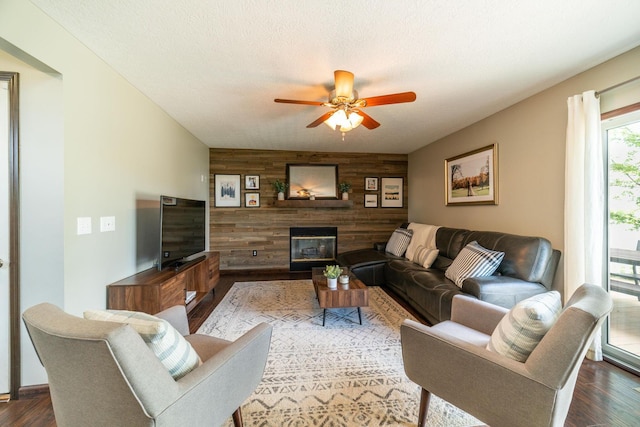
pixel 343 374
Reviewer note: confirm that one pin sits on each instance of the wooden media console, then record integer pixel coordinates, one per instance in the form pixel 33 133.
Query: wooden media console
pixel 152 291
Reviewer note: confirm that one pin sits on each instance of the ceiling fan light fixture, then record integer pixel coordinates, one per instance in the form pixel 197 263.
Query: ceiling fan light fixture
pixel 343 122
pixel 355 119
pixel 336 119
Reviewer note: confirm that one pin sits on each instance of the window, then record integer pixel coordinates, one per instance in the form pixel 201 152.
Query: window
pixel 621 340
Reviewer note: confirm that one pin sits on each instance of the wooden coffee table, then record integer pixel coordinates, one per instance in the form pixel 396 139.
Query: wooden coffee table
pixel 355 294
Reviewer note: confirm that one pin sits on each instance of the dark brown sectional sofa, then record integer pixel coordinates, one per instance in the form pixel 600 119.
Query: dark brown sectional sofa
pixel 528 268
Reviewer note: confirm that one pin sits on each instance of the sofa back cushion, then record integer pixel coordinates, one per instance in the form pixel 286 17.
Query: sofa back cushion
pixel 525 257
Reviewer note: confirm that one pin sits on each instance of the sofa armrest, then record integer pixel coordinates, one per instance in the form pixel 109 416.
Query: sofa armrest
pixel 504 291
pixel 476 314
pixel 380 246
pixel 177 317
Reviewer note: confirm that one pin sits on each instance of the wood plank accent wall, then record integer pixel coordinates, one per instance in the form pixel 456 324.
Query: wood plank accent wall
pixel 236 232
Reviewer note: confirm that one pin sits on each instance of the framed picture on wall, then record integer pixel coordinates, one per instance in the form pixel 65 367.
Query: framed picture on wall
pixel 252 182
pixel 227 191
pixel 251 200
pixel 371 184
pixel 370 200
pixel 391 192
pixel 472 178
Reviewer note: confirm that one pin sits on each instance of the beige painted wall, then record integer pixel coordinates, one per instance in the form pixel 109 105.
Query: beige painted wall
pixel 114 147
pixel 531 144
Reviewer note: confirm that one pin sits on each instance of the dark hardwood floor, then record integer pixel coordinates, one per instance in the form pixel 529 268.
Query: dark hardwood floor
pixel 605 395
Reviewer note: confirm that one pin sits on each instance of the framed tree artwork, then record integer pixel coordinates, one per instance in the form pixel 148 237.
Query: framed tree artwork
pixel 227 191
pixel 472 178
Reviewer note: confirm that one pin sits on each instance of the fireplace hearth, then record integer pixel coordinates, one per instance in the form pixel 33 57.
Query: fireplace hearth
pixel 312 247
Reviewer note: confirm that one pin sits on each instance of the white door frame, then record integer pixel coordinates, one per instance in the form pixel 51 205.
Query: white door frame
pixel 14 233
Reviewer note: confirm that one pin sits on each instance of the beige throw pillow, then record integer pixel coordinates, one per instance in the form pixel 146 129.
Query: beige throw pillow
pixel 423 234
pixel 425 256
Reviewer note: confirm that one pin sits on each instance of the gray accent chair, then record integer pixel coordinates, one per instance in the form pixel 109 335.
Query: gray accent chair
pixel 450 360
pixel 103 374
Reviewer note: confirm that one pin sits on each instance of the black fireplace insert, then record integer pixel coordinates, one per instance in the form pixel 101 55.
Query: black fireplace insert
pixel 312 247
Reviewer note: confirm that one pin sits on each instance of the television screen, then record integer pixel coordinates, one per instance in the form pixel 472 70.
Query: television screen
pixel 182 229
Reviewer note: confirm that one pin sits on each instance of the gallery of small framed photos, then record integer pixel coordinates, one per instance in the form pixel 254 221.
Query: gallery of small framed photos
pixel 389 191
pixel 228 192
pixel 384 192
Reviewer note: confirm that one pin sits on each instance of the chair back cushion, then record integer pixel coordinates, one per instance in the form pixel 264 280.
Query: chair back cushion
pixel 94 367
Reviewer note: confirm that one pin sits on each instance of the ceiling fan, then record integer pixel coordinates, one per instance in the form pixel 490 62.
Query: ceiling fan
pixel 346 108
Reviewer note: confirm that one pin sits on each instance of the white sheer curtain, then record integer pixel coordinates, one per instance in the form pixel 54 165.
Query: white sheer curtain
pixel 584 200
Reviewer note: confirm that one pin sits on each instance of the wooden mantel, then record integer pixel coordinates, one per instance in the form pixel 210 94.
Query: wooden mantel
pixel 305 203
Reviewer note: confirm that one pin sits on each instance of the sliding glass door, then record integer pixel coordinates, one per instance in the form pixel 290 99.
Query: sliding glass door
pixel 621 341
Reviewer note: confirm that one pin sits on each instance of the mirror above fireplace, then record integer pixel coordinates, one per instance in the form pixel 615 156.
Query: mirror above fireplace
pixel 306 180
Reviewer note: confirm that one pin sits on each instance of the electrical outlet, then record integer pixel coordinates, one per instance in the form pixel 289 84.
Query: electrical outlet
pixel 255 253
pixel 107 223
pixel 84 225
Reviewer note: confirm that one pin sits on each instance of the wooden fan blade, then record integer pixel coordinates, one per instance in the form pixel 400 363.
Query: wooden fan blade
pixel 395 98
pixel 321 119
pixel 344 83
pixel 293 101
pixel 368 122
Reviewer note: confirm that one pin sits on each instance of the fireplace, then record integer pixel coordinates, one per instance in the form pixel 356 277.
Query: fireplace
pixel 312 247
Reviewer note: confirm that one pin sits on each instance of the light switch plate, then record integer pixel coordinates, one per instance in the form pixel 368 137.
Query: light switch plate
pixel 84 225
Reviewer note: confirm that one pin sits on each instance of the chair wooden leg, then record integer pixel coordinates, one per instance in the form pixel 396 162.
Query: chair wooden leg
pixel 237 418
pixel 425 398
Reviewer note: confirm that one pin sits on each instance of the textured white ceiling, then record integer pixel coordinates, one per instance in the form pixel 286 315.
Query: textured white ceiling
pixel 216 66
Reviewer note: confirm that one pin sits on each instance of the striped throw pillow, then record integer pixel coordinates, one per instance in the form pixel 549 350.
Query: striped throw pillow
pixel 473 261
pixel 175 353
pixel 399 241
pixel 524 326
pixel 425 256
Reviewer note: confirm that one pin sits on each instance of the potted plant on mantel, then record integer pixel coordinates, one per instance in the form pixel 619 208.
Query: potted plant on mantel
pixel 344 188
pixel 280 187
pixel 332 272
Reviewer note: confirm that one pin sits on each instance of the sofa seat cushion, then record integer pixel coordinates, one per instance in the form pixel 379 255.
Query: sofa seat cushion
pixel 426 290
pixel 168 345
pixel 363 257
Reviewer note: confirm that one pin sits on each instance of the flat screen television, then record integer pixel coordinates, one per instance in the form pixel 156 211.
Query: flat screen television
pixel 182 230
